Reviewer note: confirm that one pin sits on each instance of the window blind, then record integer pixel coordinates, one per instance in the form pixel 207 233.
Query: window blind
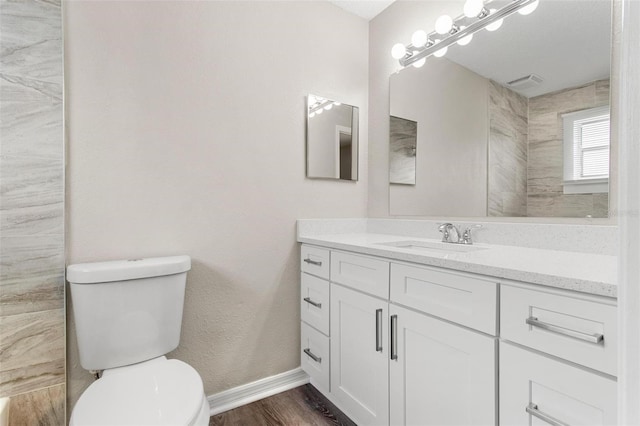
pixel 591 147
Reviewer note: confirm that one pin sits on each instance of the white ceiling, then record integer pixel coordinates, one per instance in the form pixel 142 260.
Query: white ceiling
pixel 367 9
pixel 566 42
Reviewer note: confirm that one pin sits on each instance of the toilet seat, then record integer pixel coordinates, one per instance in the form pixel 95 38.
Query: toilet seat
pixel 156 392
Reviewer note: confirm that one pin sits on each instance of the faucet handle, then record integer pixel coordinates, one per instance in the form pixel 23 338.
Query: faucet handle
pixel 466 236
pixel 444 228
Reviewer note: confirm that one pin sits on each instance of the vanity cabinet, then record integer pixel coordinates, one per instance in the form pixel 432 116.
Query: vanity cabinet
pixel 539 390
pixel 392 342
pixel 548 337
pixel 440 373
pixel 360 355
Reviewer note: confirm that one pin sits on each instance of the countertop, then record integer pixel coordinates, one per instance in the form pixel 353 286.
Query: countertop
pixel 583 272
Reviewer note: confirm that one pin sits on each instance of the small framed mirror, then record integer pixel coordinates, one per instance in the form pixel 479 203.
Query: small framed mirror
pixel 332 139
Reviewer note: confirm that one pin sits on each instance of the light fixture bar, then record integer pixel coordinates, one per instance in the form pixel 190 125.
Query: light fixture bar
pixel 476 26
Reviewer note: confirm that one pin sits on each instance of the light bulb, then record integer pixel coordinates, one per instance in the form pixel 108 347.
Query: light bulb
pixel 444 24
pixel 398 51
pixel 472 8
pixel 313 114
pixel 337 103
pixel 529 8
pixel 328 107
pixel 419 63
pixel 419 38
pixel 465 40
pixel 440 53
pixel 494 25
pixel 320 111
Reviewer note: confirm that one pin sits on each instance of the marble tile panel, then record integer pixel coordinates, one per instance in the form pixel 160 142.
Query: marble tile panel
pixel 540 205
pixel 545 167
pixel 514 204
pixel 602 93
pixel 41 407
pixel 30 122
pixel 31 274
pixel 31 40
pixel 563 101
pixel 31 338
pixel 544 127
pixel 601 205
pixel 32 196
pixel 32 377
pixel 494 204
pixel 573 205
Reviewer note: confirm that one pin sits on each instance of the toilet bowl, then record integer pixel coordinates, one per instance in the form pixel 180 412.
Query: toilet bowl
pixel 158 392
pixel 128 315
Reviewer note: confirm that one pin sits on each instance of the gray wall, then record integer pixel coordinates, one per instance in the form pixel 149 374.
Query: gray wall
pixel 451 154
pixel 32 332
pixel 187 136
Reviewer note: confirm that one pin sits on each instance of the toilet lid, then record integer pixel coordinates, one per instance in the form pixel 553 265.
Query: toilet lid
pixel 154 393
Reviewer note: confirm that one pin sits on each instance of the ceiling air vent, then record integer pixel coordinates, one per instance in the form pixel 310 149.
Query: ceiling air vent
pixel 526 82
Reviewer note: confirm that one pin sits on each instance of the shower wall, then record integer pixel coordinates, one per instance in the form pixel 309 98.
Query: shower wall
pixel 32 316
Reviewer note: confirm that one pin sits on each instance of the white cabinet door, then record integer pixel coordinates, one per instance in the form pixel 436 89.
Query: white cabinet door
pixel 538 391
pixel 360 355
pixel 443 374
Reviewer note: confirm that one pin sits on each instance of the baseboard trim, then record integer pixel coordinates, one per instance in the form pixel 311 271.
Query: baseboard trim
pixel 254 391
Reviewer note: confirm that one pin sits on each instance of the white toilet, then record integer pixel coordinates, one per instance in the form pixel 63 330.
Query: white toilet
pixel 128 315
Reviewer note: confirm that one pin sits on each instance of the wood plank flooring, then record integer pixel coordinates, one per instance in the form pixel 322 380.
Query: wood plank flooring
pixel 303 405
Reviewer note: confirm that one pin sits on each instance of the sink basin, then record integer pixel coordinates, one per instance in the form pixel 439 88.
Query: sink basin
pixel 438 247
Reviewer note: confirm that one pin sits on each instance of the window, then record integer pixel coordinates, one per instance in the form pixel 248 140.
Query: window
pixel 586 151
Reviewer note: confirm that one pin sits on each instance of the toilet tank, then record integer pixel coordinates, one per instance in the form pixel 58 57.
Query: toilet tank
pixel 127 311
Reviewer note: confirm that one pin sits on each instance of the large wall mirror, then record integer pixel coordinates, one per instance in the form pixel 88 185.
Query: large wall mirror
pixel 332 139
pixel 516 123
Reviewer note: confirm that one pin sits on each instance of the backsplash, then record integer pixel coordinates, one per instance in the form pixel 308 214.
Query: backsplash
pixel 597 239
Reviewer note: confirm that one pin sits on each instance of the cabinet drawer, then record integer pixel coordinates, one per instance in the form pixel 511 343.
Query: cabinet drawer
pixel 578 330
pixel 455 297
pixel 314 353
pixel 533 386
pixel 315 261
pixel 314 299
pixel 363 273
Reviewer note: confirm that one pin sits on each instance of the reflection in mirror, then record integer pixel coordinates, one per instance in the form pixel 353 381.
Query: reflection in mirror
pixel 403 136
pixel 332 139
pixel 514 124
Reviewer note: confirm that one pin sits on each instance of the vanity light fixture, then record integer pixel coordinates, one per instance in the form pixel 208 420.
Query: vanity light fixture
pixel 459 30
pixel 318 105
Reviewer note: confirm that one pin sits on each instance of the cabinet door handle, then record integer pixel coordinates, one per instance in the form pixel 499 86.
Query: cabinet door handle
pixel 378 330
pixel 311 302
pixel 313 262
pixel 597 339
pixel 394 337
pixel 533 410
pixel 313 357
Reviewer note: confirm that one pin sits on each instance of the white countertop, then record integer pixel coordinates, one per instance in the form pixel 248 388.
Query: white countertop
pixel 583 272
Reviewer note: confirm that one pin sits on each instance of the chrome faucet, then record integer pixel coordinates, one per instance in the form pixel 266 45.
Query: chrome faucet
pixel 451 234
pixel 447 229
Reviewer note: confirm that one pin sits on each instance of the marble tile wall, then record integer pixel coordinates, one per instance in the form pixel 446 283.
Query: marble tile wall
pixel 544 171
pixel 508 128
pixel 32 315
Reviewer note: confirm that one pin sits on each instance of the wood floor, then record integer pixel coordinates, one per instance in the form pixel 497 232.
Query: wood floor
pixel 303 405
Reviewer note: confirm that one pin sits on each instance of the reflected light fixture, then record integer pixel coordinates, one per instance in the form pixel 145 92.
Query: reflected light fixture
pixel 317 105
pixel 477 15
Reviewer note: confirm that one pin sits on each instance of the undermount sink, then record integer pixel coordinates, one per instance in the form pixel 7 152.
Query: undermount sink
pixel 439 247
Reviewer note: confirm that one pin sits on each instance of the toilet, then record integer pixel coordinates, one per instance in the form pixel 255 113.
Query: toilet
pixel 128 315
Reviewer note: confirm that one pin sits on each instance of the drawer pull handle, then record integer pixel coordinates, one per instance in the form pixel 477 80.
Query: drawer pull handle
pixel 311 302
pixel 533 410
pixel 313 357
pixel 394 337
pixel 378 330
pixel 591 338
pixel 313 262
